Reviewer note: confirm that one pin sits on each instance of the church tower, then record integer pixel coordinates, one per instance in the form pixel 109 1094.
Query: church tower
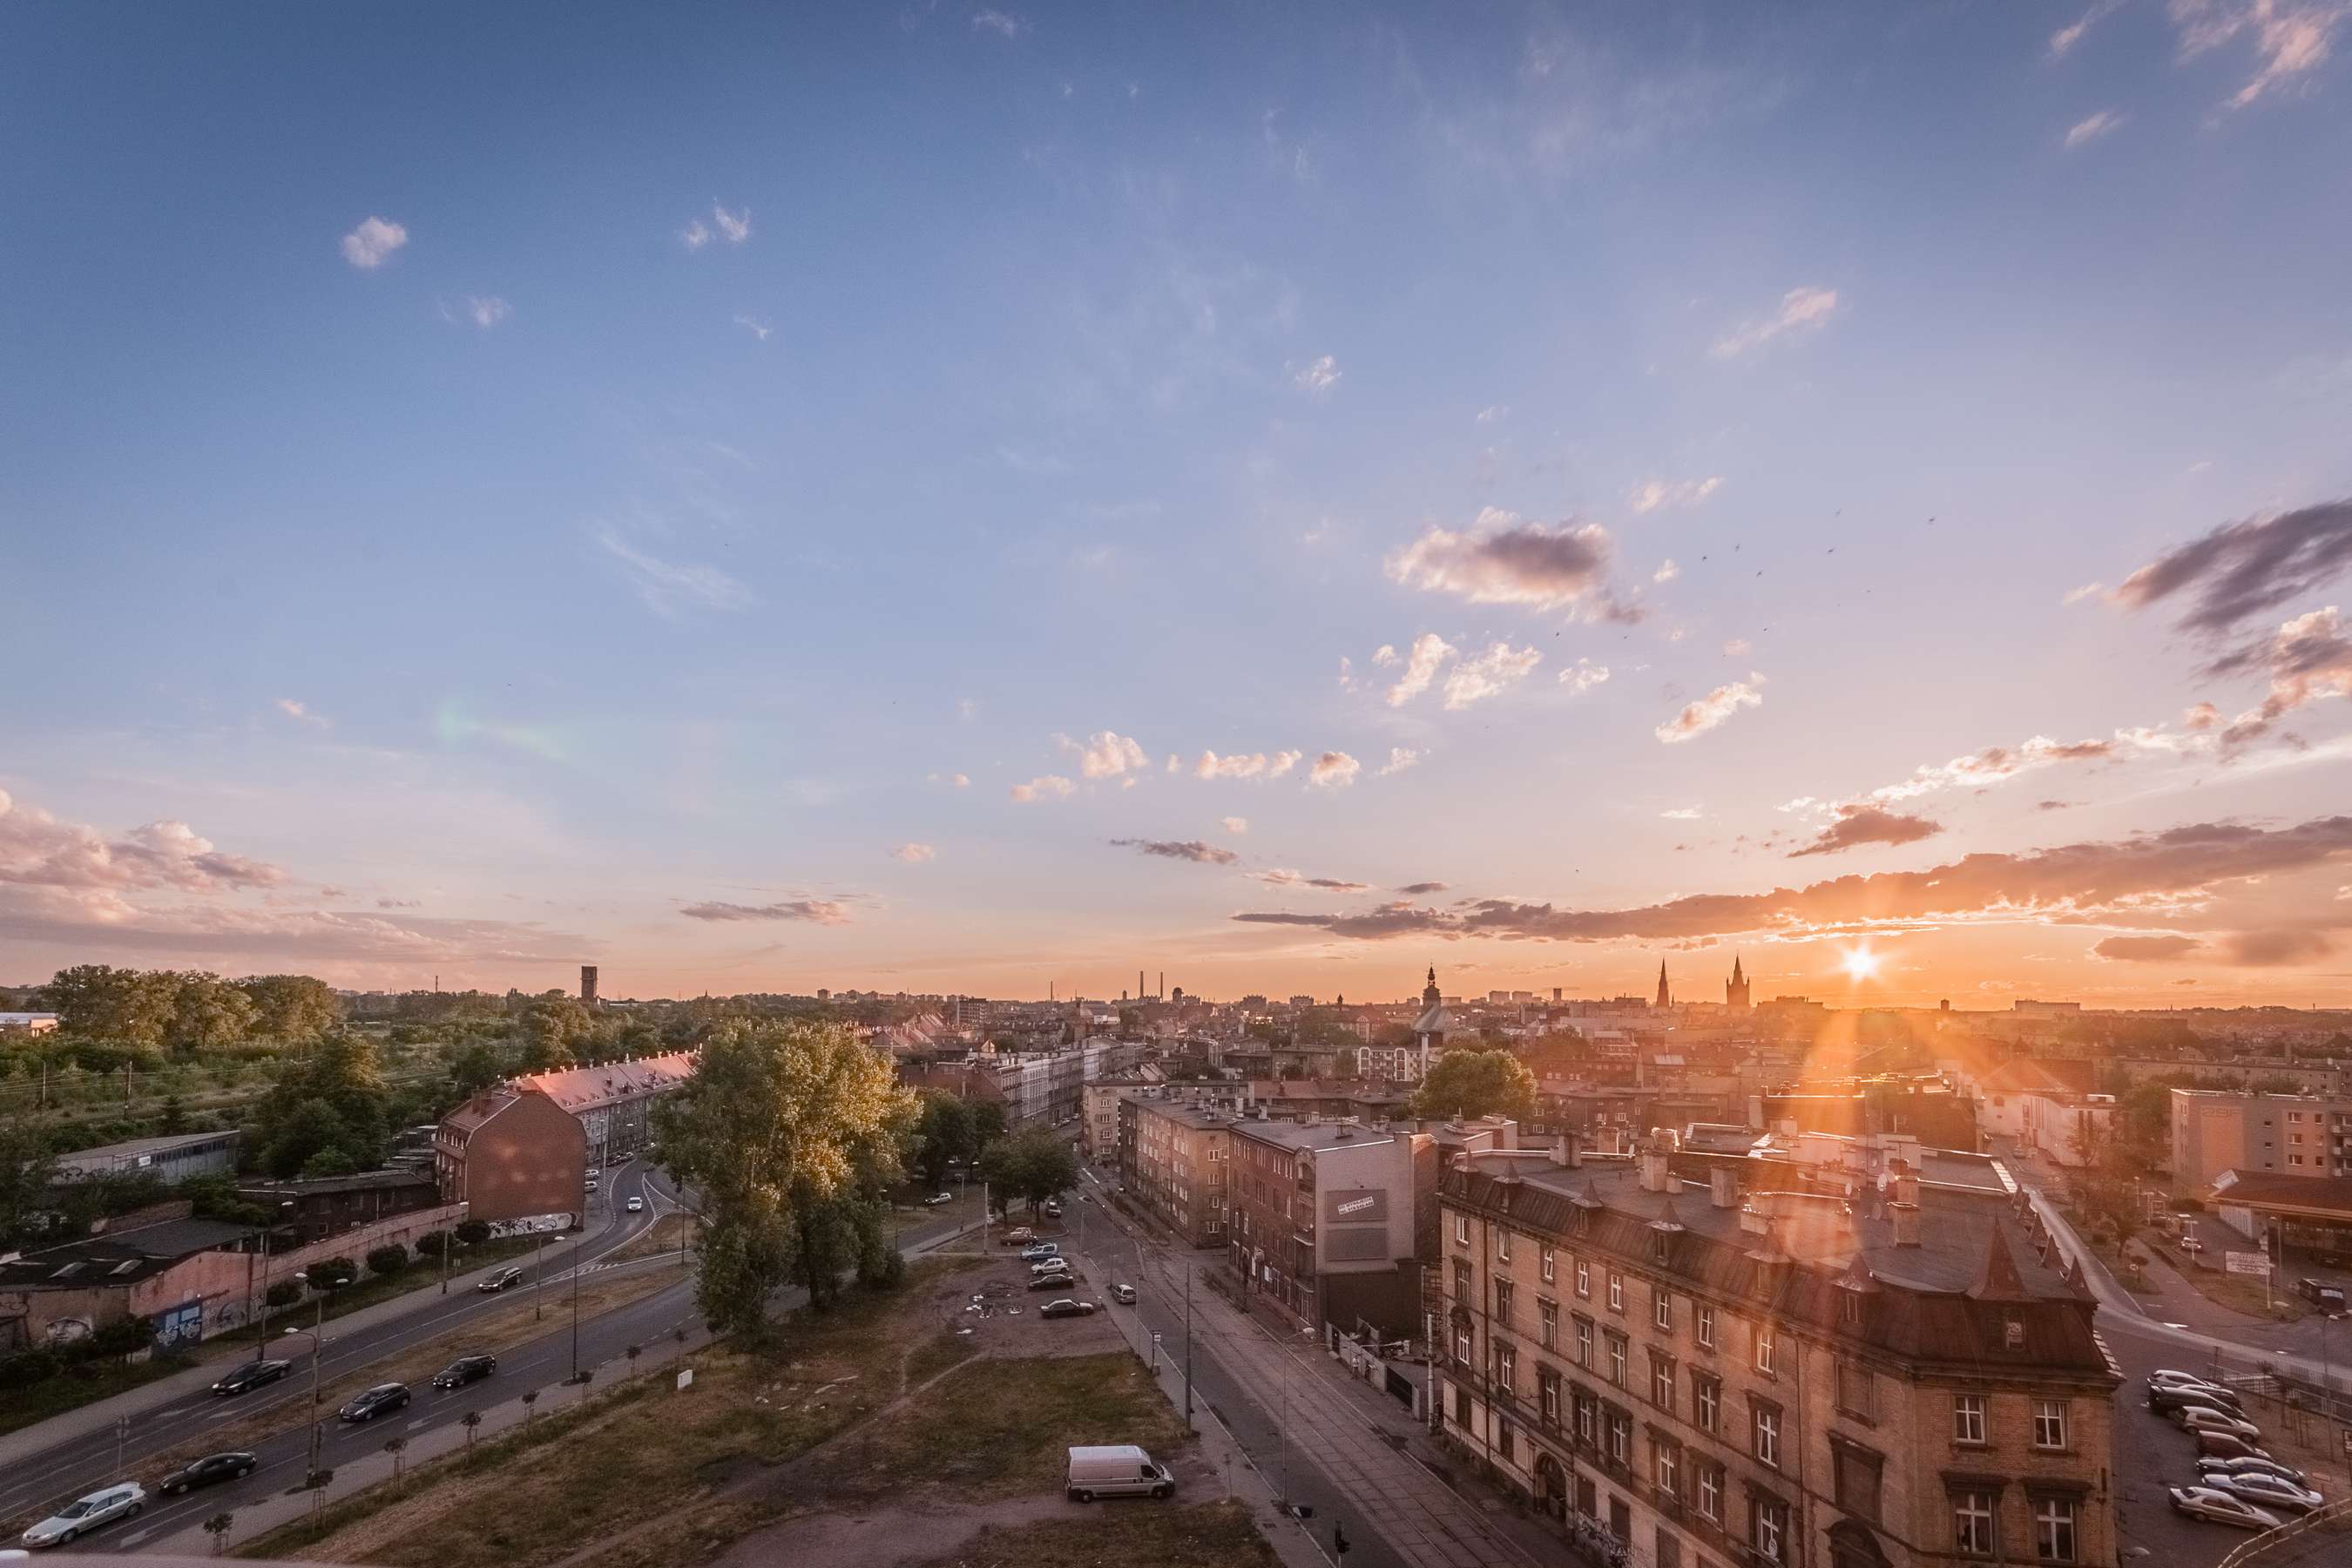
pixel 1665 998
pixel 1429 994
pixel 1734 990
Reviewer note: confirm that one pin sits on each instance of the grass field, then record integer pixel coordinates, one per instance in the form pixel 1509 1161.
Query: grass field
pixel 1205 1535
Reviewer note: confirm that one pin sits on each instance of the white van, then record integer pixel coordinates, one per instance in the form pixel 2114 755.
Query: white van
pixel 1117 1469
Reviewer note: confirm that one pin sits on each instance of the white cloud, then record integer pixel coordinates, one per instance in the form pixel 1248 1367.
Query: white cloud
pixel 1234 824
pixel 914 853
pixel 1503 559
pixel 1682 813
pixel 2094 127
pixel 300 712
pixel 1105 754
pixel 1333 770
pixel 1475 680
pixel 695 234
pixel 38 850
pixel 1003 24
pixel 1652 494
pixel 665 586
pixel 754 326
pixel 735 226
pixel 2087 591
pixel 1399 759
pixel 1429 651
pixel 1316 375
pixel 953 781
pixel 1385 655
pixel 2067 37
pixel 1045 786
pixel 486 311
pixel 1738 648
pixel 1801 311
pixel 1493 412
pixel 1583 677
pixel 1697 718
pixel 1666 573
pixel 2290 38
pixel 1246 764
pixel 368 246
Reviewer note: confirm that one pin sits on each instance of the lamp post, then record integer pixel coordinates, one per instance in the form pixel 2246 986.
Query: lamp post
pixel 318 1353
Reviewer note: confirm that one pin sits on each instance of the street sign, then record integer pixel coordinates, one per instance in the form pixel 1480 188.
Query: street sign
pixel 2246 1262
pixel 686 1378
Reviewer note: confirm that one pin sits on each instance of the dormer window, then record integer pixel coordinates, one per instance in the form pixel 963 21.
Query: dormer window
pixel 2013 1334
pixel 1850 1306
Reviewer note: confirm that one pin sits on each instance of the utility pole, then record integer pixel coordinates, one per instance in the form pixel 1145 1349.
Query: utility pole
pixel 1188 1344
pixel 122 1431
pixel 575 1314
pixel 539 1278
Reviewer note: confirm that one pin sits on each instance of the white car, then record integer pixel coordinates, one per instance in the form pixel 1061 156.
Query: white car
pixel 2254 1466
pixel 2205 1502
pixel 936 1199
pixel 83 1515
pixel 2273 1492
pixel 635 1206
pixel 2205 1418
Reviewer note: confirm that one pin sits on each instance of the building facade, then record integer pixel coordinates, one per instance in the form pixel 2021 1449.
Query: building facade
pixel 614 1100
pixel 2216 1130
pixel 512 1154
pixel 1179 1165
pixel 1323 1227
pixel 170 1159
pixel 1838 1366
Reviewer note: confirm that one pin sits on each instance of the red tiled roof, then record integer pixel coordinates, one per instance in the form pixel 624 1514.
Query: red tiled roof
pixel 590 1087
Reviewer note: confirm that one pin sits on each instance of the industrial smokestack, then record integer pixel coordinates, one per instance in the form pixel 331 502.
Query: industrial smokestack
pixel 587 985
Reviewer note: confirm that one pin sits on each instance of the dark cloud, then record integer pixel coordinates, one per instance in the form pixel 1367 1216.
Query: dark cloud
pixel 2307 658
pixel 2054 884
pixel 1190 849
pixel 822 911
pixel 2270 949
pixel 2054 806
pixel 1418 889
pixel 2241 569
pixel 2146 949
pixel 1859 825
pixel 1503 560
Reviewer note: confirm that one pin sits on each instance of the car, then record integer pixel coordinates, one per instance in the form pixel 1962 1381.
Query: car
pixel 2222 1446
pixel 2206 1419
pixel 936 1199
pixel 465 1369
pixel 635 1206
pixel 208 1471
pixel 86 1513
pixel 383 1398
pixel 1051 1209
pixel 2271 1492
pixel 2254 1467
pixel 250 1376
pixel 2221 1393
pixel 592 1183
pixel 1123 1294
pixel 1061 1279
pixel 1067 1308
pixel 2193 1379
pixel 501 1281
pixel 1019 1235
pixel 2208 1503
pixel 1037 1249
pixel 2319 1293
pixel 2171 1396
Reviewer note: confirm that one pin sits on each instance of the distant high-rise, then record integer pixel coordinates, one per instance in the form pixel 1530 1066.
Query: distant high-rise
pixel 588 985
pixel 1734 990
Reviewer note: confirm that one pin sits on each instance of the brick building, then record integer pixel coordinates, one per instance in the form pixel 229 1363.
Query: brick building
pixel 1177 1166
pixel 512 1154
pixel 614 1100
pixel 328 1205
pixel 1851 1361
pixel 1323 1226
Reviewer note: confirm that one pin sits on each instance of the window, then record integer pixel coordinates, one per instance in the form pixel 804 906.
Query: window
pixel 1503 1294
pixel 1461 1408
pixel 1972 1522
pixel 1661 1308
pixel 1550 1266
pixel 1710 1492
pixel 1768 1528
pixel 1548 1324
pixel 1503 1245
pixel 2049 1423
pixel 2053 1529
pixel 1857 1478
pixel 1768 1436
pixel 1506 1367
pixel 1584 1343
pixel 1584 1278
pixel 1849 1306
pixel 1506 1441
pixel 1764 1348
pixel 1662 1380
pixel 1466 1281
pixel 1969 1418
pixel 1586 1410
pixel 1707 1327
pixel 1548 1395
pixel 1857 1394
pixel 1707 1401
pixel 1616 1291
pixel 1461 1346
pixel 1621 1437
pixel 1617 1359
pixel 1666 1469
pixel 1462 1230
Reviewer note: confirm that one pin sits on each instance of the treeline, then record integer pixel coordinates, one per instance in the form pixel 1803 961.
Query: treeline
pixel 151 1012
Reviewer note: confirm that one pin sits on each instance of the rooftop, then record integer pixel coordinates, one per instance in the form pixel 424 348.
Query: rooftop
pixel 1314 1137
pixel 2317 1195
pixel 149 1147
pixel 119 1257
pixel 609 1083
pixel 357 1182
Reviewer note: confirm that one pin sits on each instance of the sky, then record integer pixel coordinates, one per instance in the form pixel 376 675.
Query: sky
pixel 954 498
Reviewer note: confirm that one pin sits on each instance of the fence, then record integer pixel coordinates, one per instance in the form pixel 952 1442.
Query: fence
pixel 2291 1543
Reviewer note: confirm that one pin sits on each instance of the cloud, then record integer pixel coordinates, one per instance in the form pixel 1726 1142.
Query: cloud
pixel 486 311
pixel 2241 569
pixel 1105 754
pixel 1249 766
pixel 1996 765
pixel 1429 651
pixel 1418 889
pixel 754 326
pixel 2146 949
pixel 668 586
pixel 1858 825
pixel 1682 813
pixel 1667 570
pixel 953 781
pixel 300 712
pixel 1278 878
pixel 2091 129
pixel 734 227
pixel 1045 786
pixel 1475 680
pixel 2067 37
pixel 1697 718
pixel 1190 849
pixel 695 234
pixel 1504 560
pixel 818 912
pixel 2309 657
pixel 1399 759
pixel 1234 824
pixel 1003 25
pixel 2087 591
pixel 1333 770
pixel 2290 38
pixel 1802 310
pixel 1651 495
pixel 1317 377
pixel 1493 412
pixel 38 850
pixel 2067 882
pixel 2272 948
pixel 914 854
pixel 1583 677
pixel 369 245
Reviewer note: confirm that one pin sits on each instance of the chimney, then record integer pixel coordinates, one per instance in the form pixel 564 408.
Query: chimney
pixel 1673 1183
pixel 1653 1170
pixel 1724 1185
pixel 1563 1151
pixel 1906 1223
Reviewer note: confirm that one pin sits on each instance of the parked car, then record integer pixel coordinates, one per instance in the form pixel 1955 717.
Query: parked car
pixel 2320 1294
pixel 2167 1375
pixel 2206 1419
pixel 1037 1249
pixel 1123 1294
pixel 208 1471
pixel 2222 1446
pixel 84 1514
pixel 1061 1279
pixel 250 1376
pixel 936 1199
pixel 465 1369
pixel 383 1398
pixel 2255 1467
pixel 1067 1308
pixel 501 1281
pixel 1020 1234
pixel 635 1205
pixel 2208 1503
pixel 1117 1469
pixel 2165 1398
pixel 2264 1491
pixel 1051 1209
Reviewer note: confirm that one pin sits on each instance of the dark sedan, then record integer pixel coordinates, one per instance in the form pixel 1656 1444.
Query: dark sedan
pixel 465 1369
pixel 1062 1281
pixel 210 1470
pixel 382 1398
pixel 251 1375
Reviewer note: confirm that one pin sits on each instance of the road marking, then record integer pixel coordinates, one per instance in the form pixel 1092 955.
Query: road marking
pixel 136 1536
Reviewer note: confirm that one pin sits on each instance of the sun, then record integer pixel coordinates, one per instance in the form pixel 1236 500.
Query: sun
pixel 1861 963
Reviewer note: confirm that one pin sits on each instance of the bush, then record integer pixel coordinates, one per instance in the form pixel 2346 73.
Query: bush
pixel 432 1244
pixel 387 1261
pixel 285 1293
pixel 124 1336
pixel 26 1368
pixel 330 1273
pixel 473 1233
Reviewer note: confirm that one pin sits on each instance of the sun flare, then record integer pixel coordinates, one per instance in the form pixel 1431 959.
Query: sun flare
pixel 1861 963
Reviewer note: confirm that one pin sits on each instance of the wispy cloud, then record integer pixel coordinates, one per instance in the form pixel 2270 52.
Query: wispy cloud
pixel 369 245
pixel 2290 38
pixel 1234 824
pixel 1801 311
pixel 1667 570
pixel 300 712
pixel 1333 770
pixel 734 227
pixel 486 311
pixel 1583 676
pixel 1429 654
pixel 1192 850
pixel 694 234
pixel 1285 879
pixel 1475 680
pixel 1492 412
pixel 1653 495
pixel 2307 658
pixel 667 587
pixel 754 325
pixel 1697 718
pixel 817 911
pixel 2241 569
pixel 1399 759
pixel 1105 753
pixel 953 781
pixel 1003 23
pixel 1245 764
pixel 2092 127
pixel 2146 949
pixel 1857 825
pixel 1682 813
pixel 914 854
pixel 2064 40
pixel 1316 375
pixel 1045 786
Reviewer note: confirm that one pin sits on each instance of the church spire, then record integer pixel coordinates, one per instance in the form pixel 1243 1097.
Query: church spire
pixel 1430 996
pixel 1663 995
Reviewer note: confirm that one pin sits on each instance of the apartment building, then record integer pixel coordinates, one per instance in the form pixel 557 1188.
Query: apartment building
pixel 2218 1130
pixel 1850 1360
pixel 1178 1164
pixel 1324 1221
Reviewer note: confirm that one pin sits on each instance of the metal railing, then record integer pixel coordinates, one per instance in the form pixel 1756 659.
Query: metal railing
pixel 2336 1517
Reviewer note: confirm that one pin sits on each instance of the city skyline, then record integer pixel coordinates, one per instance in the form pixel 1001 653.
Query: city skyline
pixel 957 500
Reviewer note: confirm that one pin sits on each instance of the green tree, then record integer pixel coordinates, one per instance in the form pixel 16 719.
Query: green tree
pixel 945 1132
pixel 787 1129
pixel 330 1273
pixel 26 1171
pixel 472 1232
pixel 386 1261
pixel 331 1108
pixel 1472 1083
pixel 553 1032
pixel 131 1006
pixel 1029 1168
pixel 291 1006
pixel 207 1014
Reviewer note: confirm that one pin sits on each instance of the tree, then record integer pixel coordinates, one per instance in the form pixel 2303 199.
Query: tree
pixel 945 1132
pixel 553 1031
pixel 26 1171
pixel 474 1069
pixel 395 1446
pixel 788 1129
pixel 131 1006
pixel 217 1527
pixel 1473 1083
pixel 207 1014
pixel 386 1261
pixel 471 1419
pixel 330 1273
pixel 432 1244
pixel 283 1294
pixel 528 1401
pixel 1029 1168
pixel 290 1007
pixel 334 1099
pixel 473 1232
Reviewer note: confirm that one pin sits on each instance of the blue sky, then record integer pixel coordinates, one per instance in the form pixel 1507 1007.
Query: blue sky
pixel 734 426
